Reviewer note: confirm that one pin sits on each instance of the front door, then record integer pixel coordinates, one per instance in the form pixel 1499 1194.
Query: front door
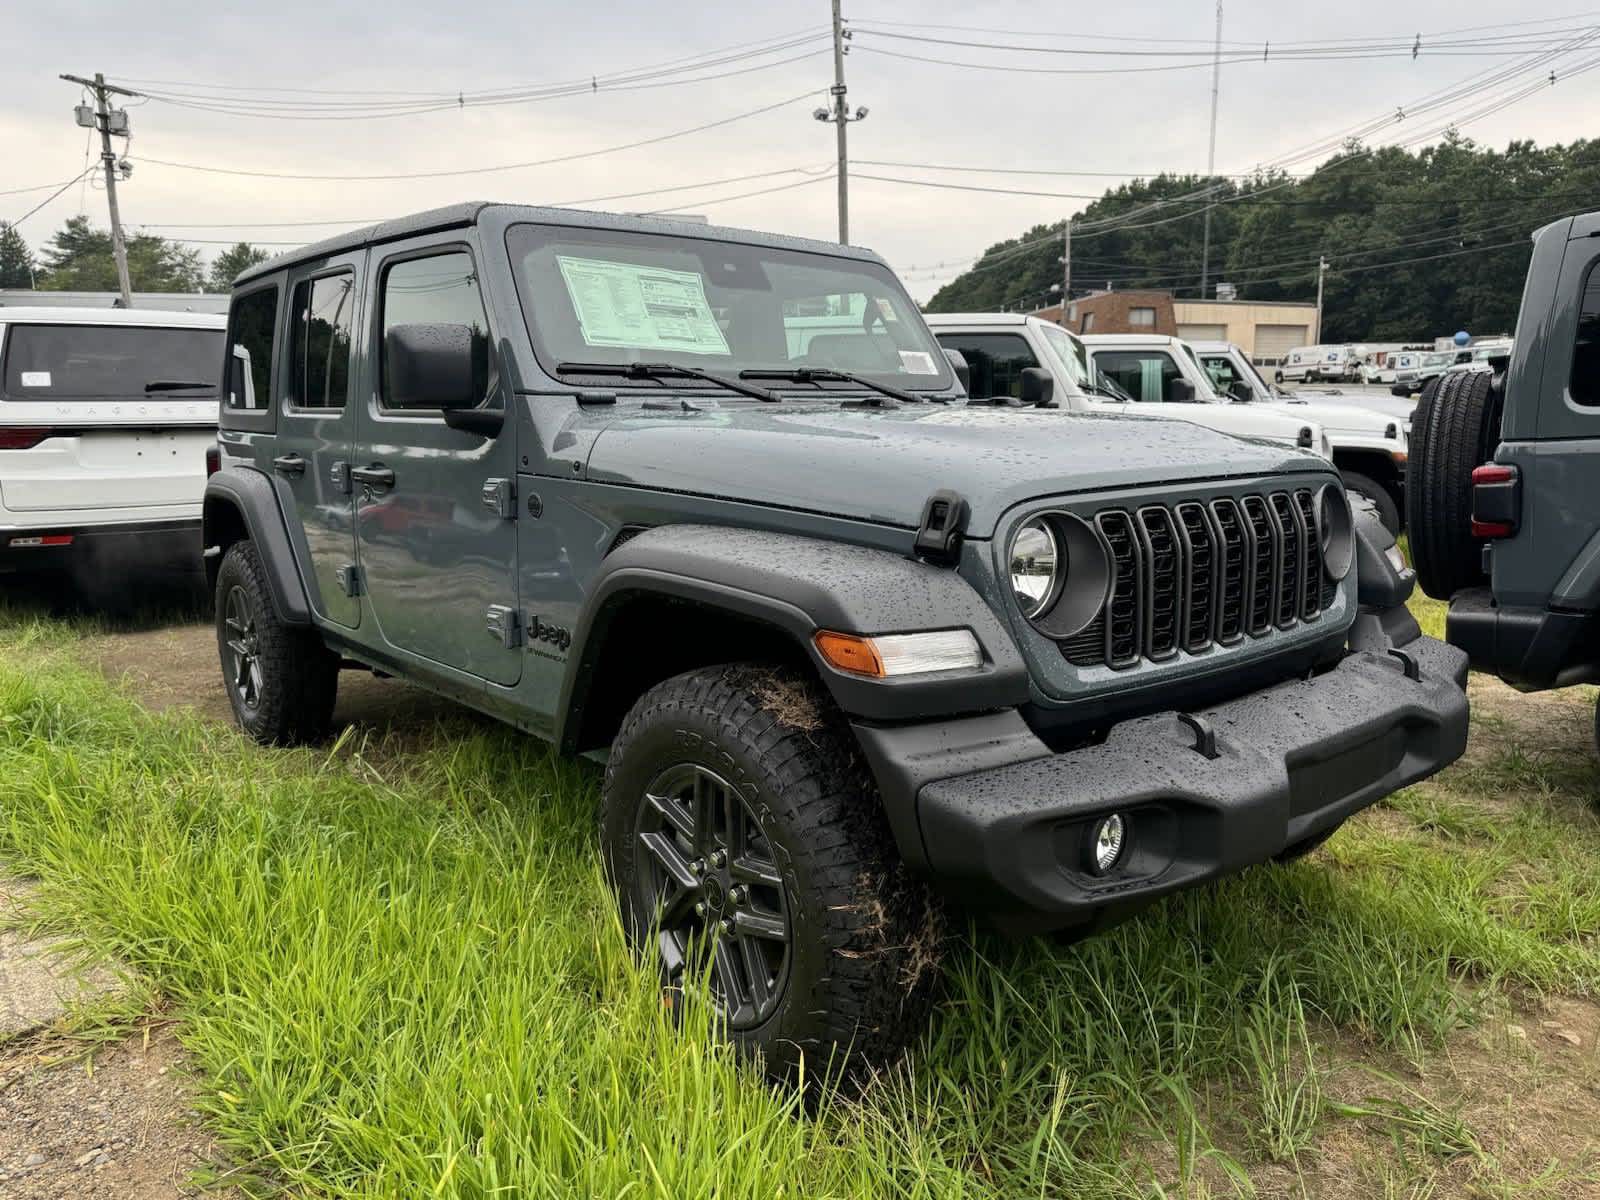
pixel 316 430
pixel 437 536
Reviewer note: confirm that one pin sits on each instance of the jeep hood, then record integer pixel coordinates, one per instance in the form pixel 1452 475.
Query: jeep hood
pixel 1357 418
pixel 881 465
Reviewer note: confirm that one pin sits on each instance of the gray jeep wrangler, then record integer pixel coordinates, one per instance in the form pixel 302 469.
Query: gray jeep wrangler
pixel 1505 519
pixel 714 506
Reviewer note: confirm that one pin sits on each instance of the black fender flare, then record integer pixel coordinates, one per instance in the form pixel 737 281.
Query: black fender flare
pixel 244 496
pixel 798 585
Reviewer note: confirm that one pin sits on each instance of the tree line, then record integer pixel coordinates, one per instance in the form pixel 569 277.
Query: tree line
pixel 78 258
pixel 1418 244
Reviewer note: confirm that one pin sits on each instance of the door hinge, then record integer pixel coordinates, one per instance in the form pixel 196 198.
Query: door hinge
pixel 503 624
pixel 349 577
pixel 500 498
pixel 339 472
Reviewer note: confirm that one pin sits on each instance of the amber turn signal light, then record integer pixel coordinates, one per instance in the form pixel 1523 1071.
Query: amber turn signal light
pixel 847 652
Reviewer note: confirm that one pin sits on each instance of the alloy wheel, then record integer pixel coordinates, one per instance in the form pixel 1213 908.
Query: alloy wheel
pixel 244 649
pixel 709 875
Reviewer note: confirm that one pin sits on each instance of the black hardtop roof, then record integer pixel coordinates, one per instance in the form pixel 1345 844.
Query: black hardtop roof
pixel 470 213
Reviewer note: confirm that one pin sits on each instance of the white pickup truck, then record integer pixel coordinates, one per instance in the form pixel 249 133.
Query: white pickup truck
pixel 106 417
pixel 999 347
pixel 1370 433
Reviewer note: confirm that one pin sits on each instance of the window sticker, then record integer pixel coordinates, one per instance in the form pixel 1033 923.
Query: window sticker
pixel 917 362
pixel 35 378
pixel 643 308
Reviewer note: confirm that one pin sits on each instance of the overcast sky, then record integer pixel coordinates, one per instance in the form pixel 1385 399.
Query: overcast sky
pixel 920 112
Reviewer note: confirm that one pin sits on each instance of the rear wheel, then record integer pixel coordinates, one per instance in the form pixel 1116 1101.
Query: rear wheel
pixel 1455 429
pixel 281 680
pixel 1382 498
pixel 747 847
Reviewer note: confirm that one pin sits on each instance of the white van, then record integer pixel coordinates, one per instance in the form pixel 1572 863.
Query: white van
pixel 106 417
pixel 1315 364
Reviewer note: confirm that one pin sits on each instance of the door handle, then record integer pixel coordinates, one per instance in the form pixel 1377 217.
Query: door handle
pixel 289 464
pixel 375 476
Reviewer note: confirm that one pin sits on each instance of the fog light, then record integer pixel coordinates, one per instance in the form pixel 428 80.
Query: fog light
pixel 1106 839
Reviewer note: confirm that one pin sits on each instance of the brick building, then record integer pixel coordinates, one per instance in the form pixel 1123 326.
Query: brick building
pixel 1118 312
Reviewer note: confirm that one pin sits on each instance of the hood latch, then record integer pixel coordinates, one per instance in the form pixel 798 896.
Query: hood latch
pixel 944 517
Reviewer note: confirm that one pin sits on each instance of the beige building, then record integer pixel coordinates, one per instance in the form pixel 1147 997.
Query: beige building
pixel 1266 330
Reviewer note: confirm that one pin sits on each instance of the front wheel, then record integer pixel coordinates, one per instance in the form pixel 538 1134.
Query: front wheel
pixel 1277 377
pixel 281 680
pixel 1382 499
pixel 747 847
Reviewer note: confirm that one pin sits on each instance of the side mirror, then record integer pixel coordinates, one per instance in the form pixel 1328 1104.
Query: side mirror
pixel 1240 391
pixel 958 363
pixel 1180 391
pixel 441 367
pixel 1038 388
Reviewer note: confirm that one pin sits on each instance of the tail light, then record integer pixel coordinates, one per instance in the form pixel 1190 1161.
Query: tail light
pixel 1496 501
pixel 23 437
pixel 213 460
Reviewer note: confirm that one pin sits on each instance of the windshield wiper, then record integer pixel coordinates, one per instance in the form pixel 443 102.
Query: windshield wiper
pixel 816 375
pixel 1094 389
pixel 176 385
pixel 664 370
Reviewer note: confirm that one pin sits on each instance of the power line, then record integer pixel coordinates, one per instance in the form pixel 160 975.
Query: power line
pixel 49 198
pixel 540 162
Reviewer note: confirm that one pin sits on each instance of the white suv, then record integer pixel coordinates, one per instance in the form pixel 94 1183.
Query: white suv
pixel 1000 347
pixel 106 418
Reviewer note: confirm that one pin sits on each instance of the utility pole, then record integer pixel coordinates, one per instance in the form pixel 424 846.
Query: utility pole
pixel 1211 157
pixel 1322 269
pixel 1066 268
pixel 841 116
pixel 102 121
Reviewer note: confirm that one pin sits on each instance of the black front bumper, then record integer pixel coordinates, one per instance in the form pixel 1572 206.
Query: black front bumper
pixel 1531 648
pixel 1291 761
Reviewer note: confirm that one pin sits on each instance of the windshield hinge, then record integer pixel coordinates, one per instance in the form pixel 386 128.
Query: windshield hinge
pixel 944 516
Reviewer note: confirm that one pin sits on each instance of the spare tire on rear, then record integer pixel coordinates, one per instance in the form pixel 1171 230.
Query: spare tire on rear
pixel 1456 427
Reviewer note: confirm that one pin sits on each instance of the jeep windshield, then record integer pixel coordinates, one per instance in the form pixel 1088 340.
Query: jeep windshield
pixel 110 362
pixel 609 299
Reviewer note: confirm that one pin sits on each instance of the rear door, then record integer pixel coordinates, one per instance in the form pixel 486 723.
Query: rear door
pixel 317 384
pixel 110 422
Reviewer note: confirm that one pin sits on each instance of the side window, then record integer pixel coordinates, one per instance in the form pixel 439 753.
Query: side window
pixel 320 352
pixel 996 361
pixel 251 324
pixel 1585 382
pixel 440 289
pixel 1147 377
pixel 1220 368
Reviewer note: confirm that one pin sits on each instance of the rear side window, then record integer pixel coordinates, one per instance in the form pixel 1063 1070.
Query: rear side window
pixel 110 362
pixel 441 289
pixel 1147 377
pixel 320 359
pixel 996 361
pixel 1585 382
pixel 251 326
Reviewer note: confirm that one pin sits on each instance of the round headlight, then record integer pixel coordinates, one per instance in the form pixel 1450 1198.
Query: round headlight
pixel 1035 567
pixel 1335 531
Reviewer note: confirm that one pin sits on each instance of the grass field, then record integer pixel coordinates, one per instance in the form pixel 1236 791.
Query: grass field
pixel 395 963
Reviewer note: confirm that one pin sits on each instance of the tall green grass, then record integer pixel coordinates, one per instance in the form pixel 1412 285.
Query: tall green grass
pixel 403 977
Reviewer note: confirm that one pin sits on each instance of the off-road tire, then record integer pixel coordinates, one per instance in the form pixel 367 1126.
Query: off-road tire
pixel 1382 498
pixel 864 936
pixel 1455 429
pixel 298 677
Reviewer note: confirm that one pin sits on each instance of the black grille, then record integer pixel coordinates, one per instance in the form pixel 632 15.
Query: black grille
pixel 1194 574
